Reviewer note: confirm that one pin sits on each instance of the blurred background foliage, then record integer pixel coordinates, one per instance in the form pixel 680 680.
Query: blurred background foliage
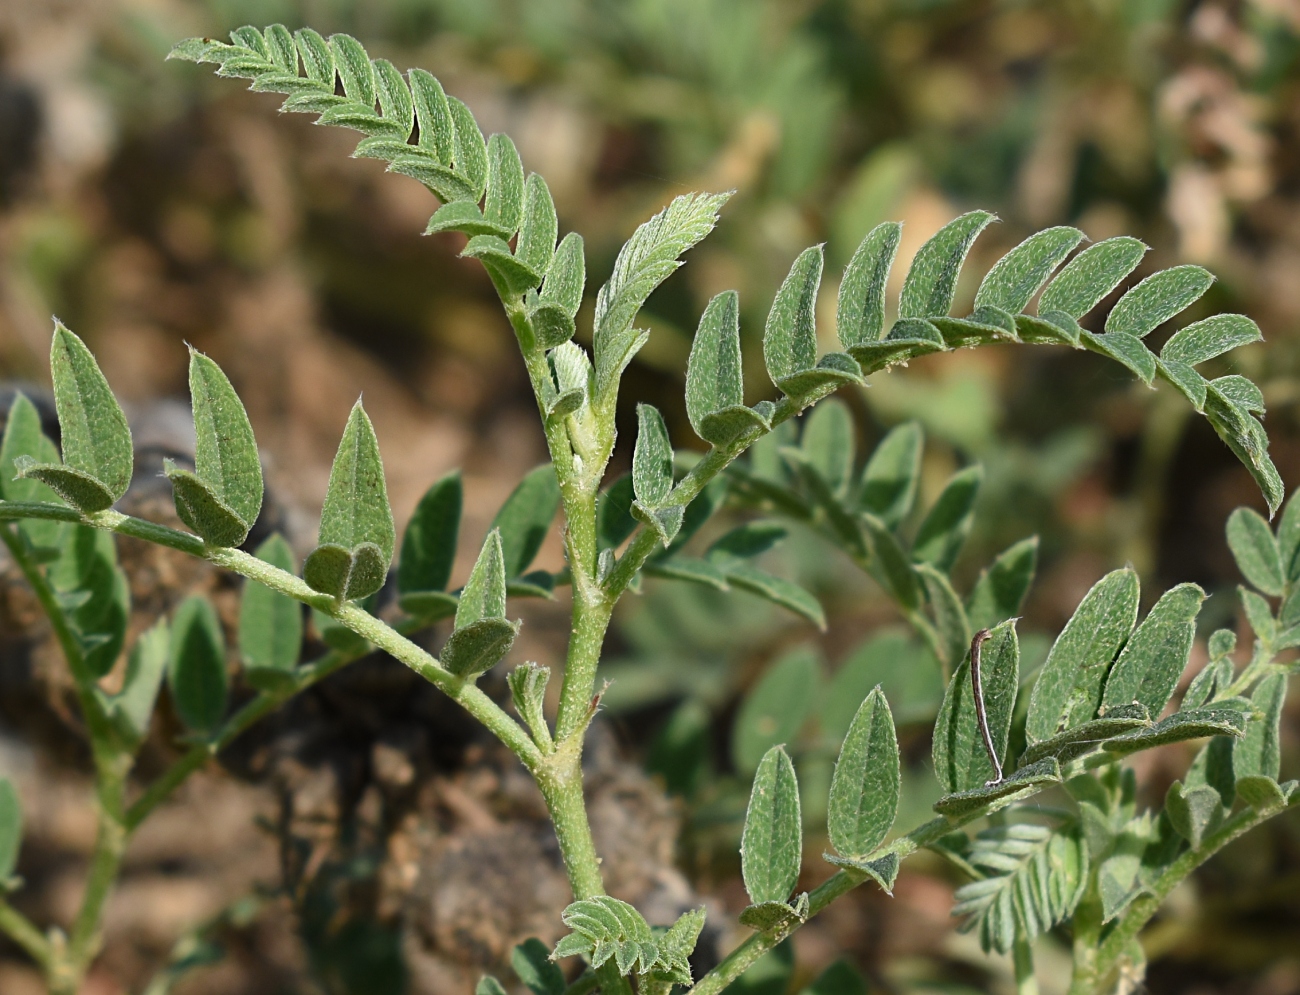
pixel 148 205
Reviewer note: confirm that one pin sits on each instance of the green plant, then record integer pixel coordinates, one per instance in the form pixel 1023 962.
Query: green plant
pixel 1098 864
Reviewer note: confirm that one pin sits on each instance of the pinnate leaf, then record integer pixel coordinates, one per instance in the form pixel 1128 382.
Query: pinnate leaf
pixel 772 843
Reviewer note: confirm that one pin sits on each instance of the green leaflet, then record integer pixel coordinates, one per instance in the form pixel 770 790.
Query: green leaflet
pixel 1080 740
pixel 1258 753
pixel 860 315
pixel 354 68
pixel 1021 273
pixel 931 282
pixel 1193 812
pixel 356 529
pixel 746 541
pixel 960 761
pixel 196 666
pixel 949 616
pixel 94 593
pixel 528 691
pixel 463 216
pixel 11 830
pixel 394 97
pixel 790 338
pixel 614 521
pixel 131 709
pixel 1036 877
pixel 1188 382
pixel 652 474
pixel 1244 435
pixel 96 441
pixel 1190 723
pixel 504 205
pixel 776 919
pixel 1288 538
pixel 888 487
pixel 1155 656
pixel 226 464
pixel 645 261
pixel 1241 392
pixel 537 233
pixel 1024 783
pixel 771 848
pixel 429 545
pixel 23 437
pixel 777 590
pixel 488 985
pixel 1069 689
pixel 567 275
pixel 270 623
pixel 432 113
pixel 827 444
pixel 1256 551
pixel 1125 349
pixel 895 570
pixel 775 708
pixel 1211 337
pixel 1091 275
pixel 1002 586
pixel 510 275
pixel 713 372
pixel 484 594
pixel 470 151
pixel 525 518
pixel 945 527
pixel 865 786
pixel 1157 299
pixel 841 978
pixel 532 964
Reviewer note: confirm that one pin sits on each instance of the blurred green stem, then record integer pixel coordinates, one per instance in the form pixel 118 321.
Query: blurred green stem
pixel 1022 955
